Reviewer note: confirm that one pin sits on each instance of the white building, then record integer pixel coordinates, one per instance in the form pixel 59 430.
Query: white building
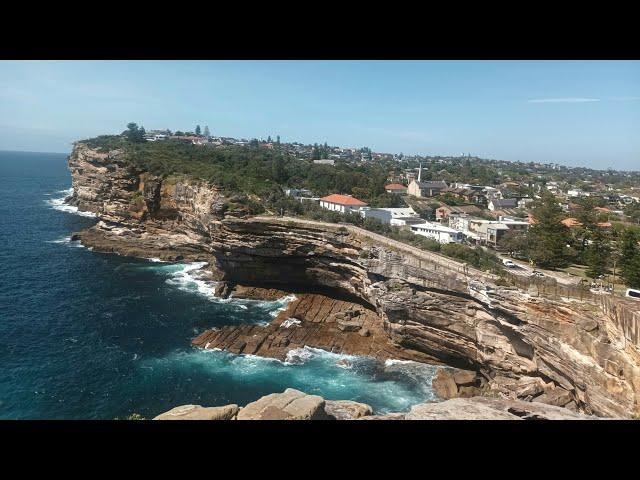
pixel 392 216
pixel 324 161
pixel 437 232
pixel 341 203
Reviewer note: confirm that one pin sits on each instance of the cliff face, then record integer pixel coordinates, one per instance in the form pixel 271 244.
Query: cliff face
pixel 525 346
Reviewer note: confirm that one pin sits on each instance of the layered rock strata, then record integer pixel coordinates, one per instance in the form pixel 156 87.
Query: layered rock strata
pixel 523 345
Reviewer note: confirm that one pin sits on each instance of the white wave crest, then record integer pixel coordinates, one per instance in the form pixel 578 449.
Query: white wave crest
pixel 59 204
pixel 187 279
pixel 67 241
pixel 300 356
pixel 289 322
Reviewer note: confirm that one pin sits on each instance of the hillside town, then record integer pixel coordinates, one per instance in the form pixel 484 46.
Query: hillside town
pixel 484 207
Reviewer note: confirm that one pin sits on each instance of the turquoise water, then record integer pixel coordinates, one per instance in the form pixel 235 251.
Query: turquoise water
pixel 99 336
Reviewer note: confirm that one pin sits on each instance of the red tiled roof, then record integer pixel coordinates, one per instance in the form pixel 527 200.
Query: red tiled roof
pixel 395 186
pixel 343 200
pixel 571 222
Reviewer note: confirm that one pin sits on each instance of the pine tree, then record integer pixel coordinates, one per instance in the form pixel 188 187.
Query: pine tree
pixel 548 237
pixel 630 258
pixel 206 131
pixel 597 254
pixel 278 139
pixel 269 139
pixel 198 130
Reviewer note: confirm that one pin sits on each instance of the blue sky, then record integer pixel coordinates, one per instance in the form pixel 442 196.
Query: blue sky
pixel 570 112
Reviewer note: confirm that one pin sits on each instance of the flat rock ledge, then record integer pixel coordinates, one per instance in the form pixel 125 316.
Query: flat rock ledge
pixel 312 320
pixel 296 405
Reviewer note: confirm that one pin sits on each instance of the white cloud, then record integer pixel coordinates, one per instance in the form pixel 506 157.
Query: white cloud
pixel 564 100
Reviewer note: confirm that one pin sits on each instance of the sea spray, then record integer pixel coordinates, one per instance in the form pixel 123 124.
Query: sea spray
pixel 59 203
pixel 311 370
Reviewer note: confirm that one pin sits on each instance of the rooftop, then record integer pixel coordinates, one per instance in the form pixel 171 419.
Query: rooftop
pixel 343 200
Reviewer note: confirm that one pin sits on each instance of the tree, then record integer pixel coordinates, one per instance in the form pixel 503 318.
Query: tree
pixel 315 152
pixel 630 258
pixel 206 131
pixel 278 139
pixel 198 130
pixel 597 254
pixel 515 243
pixel 278 171
pixel 548 237
pixel 269 139
pixel 134 134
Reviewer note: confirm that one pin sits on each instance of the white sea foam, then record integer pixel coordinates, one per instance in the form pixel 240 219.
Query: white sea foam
pixel 188 280
pixel 59 204
pixel 299 356
pixel 188 277
pixel 290 322
pixel 67 241
pixel 156 260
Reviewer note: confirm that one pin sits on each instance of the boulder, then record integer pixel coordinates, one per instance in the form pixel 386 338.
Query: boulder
pixel 483 408
pixel 198 412
pixel 290 405
pixel 444 385
pixel 465 377
pixel 346 409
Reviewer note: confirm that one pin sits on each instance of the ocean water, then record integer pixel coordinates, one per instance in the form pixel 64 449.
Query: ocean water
pixel 86 335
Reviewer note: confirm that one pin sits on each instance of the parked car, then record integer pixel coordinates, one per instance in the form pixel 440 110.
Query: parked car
pixel 632 293
pixel 508 263
pixel 537 273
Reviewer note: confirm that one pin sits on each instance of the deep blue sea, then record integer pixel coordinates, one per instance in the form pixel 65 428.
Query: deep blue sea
pixel 86 335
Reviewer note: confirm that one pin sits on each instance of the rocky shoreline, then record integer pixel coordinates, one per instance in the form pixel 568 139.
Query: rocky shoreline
pixel 296 405
pixel 311 320
pixel 360 293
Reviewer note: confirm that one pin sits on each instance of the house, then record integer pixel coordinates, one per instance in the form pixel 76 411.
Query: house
pixel 396 188
pixel 445 211
pixel 437 232
pixel 525 202
pixel 572 222
pixel 189 138
pixel 495 232
pixel 341 203
pixel 576 192
pixel 392 216
pixel 298 192
pixel 324 161
pixel 499 204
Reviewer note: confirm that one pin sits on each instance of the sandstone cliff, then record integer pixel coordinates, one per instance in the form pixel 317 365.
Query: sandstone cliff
pixel 523 346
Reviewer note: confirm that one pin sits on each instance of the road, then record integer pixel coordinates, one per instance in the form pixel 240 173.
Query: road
pixel 526 270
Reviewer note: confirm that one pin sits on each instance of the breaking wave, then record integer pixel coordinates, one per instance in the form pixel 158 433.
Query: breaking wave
pixel 67 241
pixel 59 204
pixel 314 371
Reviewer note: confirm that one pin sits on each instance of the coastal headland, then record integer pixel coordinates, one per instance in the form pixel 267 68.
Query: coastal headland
pixel 361 293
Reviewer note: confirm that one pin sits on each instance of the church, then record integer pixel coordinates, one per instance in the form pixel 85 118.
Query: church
pixel 418 188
